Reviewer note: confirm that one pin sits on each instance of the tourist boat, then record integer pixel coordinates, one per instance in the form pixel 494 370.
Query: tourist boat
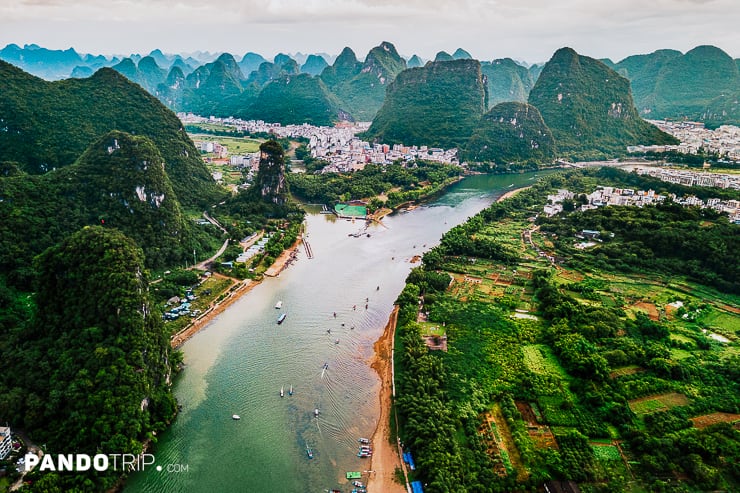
pixel 326 366
pixel 290 391
pixel 336 342
pixel 281 318
pixel 278 305
pixel 316 412
pixel 309 452
pixel 363 440
pixel 282 391
pixel 235 417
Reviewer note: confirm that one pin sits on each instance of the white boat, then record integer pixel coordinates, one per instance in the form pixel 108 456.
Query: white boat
pixel 282 391
pixel 235 417
pixel 316 412
pixel 278 305
pixel 281 318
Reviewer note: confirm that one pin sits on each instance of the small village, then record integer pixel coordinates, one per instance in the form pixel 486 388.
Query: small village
pixel 637 198
pixel 723 141
pixel 338 145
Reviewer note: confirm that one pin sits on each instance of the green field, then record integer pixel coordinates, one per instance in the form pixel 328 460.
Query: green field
pixel 236 145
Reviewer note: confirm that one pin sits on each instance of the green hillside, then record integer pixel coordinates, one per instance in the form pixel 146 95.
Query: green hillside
pixel 702 85
pixel 361 88
pixel 589 108
pixel 511 132
pixel 507 81
pixel 50 124
pixel 294 99
pixel 436 105
pixel 119 182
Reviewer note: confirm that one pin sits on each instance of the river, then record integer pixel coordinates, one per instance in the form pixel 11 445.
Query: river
pixel 239 362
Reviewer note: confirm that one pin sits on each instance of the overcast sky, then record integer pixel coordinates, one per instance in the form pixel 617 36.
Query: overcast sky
pixel 529 30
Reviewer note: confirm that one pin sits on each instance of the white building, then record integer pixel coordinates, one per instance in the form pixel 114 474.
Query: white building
pixel 6 443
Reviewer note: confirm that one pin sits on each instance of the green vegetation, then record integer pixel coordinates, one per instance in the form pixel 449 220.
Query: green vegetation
pixel 89 373
pixel 593 391
pixel 389 185
pixel 507 81
pixel 294 99
pixel 361 87
pixel 701 85
pixel 589 108
pixel 510 133
pixel 50 124
pixel 436 105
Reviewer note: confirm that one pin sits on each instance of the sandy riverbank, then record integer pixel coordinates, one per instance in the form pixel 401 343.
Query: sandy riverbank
pixel 242 288
pixel 385 458
pixel 511 193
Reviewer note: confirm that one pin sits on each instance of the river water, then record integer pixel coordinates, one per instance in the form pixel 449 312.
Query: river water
pixel 238 363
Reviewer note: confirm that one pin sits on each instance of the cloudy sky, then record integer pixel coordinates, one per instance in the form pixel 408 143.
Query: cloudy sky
pixel 529 30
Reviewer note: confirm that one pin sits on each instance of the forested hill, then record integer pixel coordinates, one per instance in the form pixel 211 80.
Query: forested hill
pixel 436 105
pixel 91 372
pixel 703 84
pixel 589 108
pixel 119 182
pixel 48 125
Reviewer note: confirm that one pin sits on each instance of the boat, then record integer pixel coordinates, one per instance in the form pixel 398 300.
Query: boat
pixel 281 318
pixel 282 391
pixel 363 440
pixel 278 305
pixel 290 391
pixel 316 412
pixel 359 484
pixel 235 417
pixel 326 366
pixel 511 185
pixel 336 342
pixel 309 452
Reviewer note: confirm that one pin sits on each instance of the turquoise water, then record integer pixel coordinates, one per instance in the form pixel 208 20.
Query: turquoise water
pixel 238 363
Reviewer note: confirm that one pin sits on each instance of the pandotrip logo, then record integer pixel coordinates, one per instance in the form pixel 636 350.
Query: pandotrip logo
pixel 98 462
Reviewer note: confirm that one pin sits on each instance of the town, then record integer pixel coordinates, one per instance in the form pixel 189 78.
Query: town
pixel 603 196
pixel 338 145
pixel 694 137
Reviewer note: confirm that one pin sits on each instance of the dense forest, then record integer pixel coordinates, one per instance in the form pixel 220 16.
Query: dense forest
pixel 565 373
pixel 396 183
pixel 89 373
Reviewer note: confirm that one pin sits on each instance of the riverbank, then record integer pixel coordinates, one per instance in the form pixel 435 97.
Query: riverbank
pixel 385 458
pixel 511 193
pixel 233 294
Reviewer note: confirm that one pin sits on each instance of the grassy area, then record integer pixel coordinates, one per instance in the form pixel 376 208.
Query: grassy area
pixel 208 292
pixel 661 402
pixel 236 145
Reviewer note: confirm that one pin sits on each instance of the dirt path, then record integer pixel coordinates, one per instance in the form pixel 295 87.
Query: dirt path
pixel 385 458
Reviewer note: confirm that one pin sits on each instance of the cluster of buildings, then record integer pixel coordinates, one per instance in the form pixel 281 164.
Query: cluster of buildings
pixel 692 178
pixel 723 141
pixel 6 442
pixel 338 145
pixel 603 196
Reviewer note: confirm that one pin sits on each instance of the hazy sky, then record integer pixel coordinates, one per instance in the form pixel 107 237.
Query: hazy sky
pixel 529 30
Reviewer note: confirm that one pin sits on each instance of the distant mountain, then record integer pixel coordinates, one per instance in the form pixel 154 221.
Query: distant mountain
pixel 294 99
pixel 507 81
pixel 361 88
pixel 461 54
pixel 68 115
pixel 81 72
pixel 42 62
pixel 702 85
pixel 250 62
pixel 345 67
pixel 535 71
pixel 511 132
pixel 270 71
pixel 414 62
pixel 437 105
pixel 443 56
pixel 162 60
pixel 282 59
pixel 170 92
pixel 589 108
pixel 212 85
pixel 151 74
pixel 315 64
pixel 185 67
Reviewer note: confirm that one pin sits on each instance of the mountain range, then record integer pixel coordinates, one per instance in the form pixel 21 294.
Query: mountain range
pixel 702 84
